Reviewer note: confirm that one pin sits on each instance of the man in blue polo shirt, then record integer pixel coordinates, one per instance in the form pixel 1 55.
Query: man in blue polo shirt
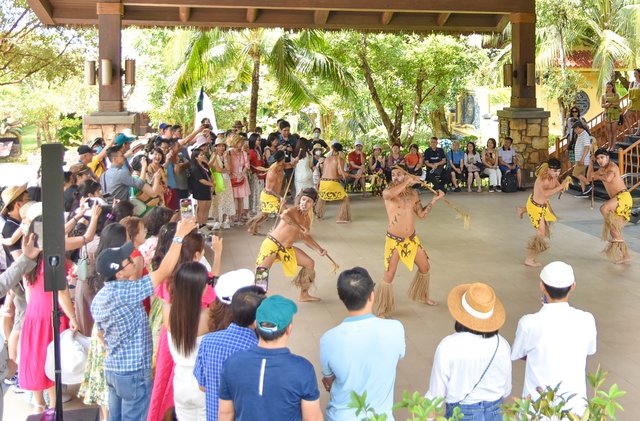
pixel 268 382
pixel 362 353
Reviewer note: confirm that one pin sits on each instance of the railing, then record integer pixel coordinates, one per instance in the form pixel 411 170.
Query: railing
pixel 559 150
pixel 629 163
pixel 597 129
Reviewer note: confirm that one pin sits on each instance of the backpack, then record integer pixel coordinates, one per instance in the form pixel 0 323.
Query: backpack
pixel 509 183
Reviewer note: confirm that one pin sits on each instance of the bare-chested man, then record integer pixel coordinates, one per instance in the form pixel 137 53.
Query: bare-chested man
pixel 539 208
pixel 330 188
pixel 278 246
pixel 402 243
pixel 617 210
pixel 270 198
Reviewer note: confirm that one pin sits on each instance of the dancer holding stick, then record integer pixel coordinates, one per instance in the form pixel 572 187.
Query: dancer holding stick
pixel 278 246
pixel 330 188
pixel 402 243
pixel 617 210
pixel 467 218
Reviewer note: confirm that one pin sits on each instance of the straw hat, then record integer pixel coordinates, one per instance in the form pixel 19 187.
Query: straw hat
pixel 10 194
pixel 317 146
pixel 220 141
pixel 476 307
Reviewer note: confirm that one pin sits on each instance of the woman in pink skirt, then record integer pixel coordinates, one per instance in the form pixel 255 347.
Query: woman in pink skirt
pixel 239 170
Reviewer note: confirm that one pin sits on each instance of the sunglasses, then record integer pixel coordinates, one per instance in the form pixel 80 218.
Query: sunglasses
pixel 574 111
pixel 129 262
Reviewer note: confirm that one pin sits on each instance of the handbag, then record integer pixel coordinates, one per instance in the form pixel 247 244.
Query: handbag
pixel 82 270
pixel 236 182
pixel 621 120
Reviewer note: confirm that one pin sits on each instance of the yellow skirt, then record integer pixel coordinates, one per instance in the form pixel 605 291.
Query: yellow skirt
pixel 286 255
pixel 625 202
pixel 407 249
pixel 331 190
pixel 537 211
pixel 269 203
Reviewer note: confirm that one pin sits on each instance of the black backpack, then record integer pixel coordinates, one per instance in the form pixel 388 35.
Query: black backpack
pixel 509 183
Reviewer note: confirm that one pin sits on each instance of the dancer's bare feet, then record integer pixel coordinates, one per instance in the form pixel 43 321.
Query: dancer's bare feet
pixel 532 263
pixel 304 297
pixel 253 232
pixel 521 211
pixel 430 302
pixel 623 260
pixel 343 222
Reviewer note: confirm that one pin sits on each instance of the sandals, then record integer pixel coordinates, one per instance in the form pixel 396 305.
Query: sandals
pixel 39 409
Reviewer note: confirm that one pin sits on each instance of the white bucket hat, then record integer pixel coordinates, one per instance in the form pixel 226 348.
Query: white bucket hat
pixel 73 357
pixel 230 282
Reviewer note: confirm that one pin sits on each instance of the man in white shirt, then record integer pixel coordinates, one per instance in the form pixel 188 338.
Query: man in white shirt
pixel 508 161
pixel 583 155
pixel 556 341
pixel 362 353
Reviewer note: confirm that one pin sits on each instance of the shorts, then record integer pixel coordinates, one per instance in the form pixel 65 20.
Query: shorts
pixel 578 170
pixel 625 203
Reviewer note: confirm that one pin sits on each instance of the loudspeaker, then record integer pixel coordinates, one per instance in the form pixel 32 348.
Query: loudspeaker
pixel 87 414
pixel 55 274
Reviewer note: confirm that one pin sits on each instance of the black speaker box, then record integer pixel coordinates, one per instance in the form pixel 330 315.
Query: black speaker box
pixel 55 276
pixel 86 414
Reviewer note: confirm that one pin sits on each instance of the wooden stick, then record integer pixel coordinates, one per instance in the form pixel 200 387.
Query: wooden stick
pixel 283 199
pixel 315 243
pixel 464 215
pixel 593 193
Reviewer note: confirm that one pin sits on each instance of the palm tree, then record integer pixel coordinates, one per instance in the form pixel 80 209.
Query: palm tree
pixel 294 59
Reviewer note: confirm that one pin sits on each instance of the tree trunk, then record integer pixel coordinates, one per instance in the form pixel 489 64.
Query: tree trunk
pixel 439 124
pixel 38 136
pixel 255 88
pixel 394 136
pixel 415 112
pixel 368 76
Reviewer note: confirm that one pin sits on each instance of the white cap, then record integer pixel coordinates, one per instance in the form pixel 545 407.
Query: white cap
pixel 140 142
pixel 230 282
pixel 557 275
pixel 358 142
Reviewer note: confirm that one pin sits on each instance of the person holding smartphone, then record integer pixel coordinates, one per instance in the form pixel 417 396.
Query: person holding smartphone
pixel 202 186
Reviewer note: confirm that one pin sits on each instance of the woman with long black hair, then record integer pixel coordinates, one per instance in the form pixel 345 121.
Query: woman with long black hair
pixel 201 185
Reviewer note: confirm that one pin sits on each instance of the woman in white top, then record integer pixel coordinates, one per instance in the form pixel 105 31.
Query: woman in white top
pixel 490 161
pixel 472 163
pixel 472 368
pixel 186 324
pixel 303 175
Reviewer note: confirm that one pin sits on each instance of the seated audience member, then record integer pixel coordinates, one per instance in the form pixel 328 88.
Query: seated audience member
pixel 473 166
pixel 216 347
pixel 436 162
pixel 508 161
pixel 378 166
pixel 455 158
pixel 490 161
pixel 362 353
pixel 358 166
pixel 268 382
pixel 414 161
pixel 395 157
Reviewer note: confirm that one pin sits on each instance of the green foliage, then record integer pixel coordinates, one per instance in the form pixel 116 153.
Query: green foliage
pixel 418 406
pixel 70 131
pixel 565 88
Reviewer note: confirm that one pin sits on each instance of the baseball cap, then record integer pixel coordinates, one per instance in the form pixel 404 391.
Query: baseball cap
pixel 230 282
pixel 162 126
pixel 358 143
pixel 83 149
pixel 110 260
pixel 275 310
pixel 557 275
pixel 122 138
pixel 138 143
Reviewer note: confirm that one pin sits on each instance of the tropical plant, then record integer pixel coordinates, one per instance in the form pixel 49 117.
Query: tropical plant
pixel 293 59
pixel 418 406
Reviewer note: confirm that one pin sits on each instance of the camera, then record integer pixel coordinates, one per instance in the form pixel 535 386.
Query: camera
pixel 206 126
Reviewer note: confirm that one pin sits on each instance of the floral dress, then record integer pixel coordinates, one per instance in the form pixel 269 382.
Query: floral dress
pixel 223 203
pixel 94 387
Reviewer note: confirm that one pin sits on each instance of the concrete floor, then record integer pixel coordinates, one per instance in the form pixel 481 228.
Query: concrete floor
pixel 492 251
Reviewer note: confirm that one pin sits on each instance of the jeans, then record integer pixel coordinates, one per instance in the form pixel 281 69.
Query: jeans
pixel 504 169
pixel 481 411
pixel 129 394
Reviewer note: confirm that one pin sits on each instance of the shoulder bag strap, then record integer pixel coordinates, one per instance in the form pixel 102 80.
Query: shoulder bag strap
pixel 485 370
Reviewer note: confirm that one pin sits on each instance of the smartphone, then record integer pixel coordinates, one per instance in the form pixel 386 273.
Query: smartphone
pixel 37 231
pixel 262 278
pixel 187 208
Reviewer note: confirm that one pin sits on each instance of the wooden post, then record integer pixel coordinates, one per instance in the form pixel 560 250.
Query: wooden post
pixel 110 45
pixel 523 41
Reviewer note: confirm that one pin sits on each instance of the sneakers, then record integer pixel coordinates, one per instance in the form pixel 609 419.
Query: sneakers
pixel 491 190
pixel 225 225
pixel 216 226
pixel 11 381
pixel 521 189
pixel 457 190
pixel 17 389
pixel 586 193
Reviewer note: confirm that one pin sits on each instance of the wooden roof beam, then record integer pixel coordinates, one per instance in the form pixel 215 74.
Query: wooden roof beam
pixel 385 17
pixel 320 17
pixel 43 10
pixel 442 18
pixel 185 14
pixel 252 14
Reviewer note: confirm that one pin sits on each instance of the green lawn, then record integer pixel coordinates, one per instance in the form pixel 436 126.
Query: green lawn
pixel 29 142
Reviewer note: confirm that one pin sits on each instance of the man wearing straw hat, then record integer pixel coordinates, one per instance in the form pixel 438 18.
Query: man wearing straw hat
pixel 617 210
pixel 556 341
pixel 330 188
pixel 295 223
pixel 402 243
pixel 539 208
pixel 472 367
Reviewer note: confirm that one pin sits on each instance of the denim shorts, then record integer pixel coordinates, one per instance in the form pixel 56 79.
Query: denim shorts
pixel 481 411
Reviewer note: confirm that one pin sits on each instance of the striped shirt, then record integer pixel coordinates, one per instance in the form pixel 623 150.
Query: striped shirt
pixel 117 310
pixel 214 350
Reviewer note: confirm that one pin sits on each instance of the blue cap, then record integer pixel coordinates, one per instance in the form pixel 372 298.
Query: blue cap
pixel 277 311
pixel 122 138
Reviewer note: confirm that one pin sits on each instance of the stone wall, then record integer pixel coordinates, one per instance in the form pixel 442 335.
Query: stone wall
pixel 107 125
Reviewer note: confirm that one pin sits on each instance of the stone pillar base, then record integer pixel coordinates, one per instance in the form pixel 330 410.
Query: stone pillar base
pixel 529 129
pixel 107 125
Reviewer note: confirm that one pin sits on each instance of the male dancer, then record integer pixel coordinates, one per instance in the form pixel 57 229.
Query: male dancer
pixel 617 210
pixel 270 199
pixel 295 223
pixel 402 243
pixel 539 208
pixel 330 188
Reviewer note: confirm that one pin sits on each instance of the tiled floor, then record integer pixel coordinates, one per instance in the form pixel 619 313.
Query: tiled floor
pixel 492 251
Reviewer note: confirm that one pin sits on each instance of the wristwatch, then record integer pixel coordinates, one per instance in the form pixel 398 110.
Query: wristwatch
pixel 177 240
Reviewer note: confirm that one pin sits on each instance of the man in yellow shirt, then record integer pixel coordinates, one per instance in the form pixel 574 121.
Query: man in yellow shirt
pixel 92 159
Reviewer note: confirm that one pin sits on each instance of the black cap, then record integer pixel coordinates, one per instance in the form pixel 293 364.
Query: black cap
pixel 578 125
pixel 337 147
pixel 83 149
pixel 278 156
pixel 110 260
